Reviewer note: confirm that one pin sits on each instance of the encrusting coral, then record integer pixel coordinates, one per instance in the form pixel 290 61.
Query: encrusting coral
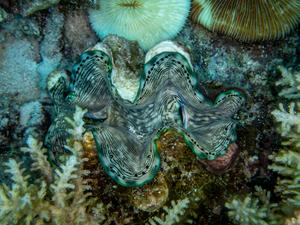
pixel 59 196
pixel 147 22
pixel 248 21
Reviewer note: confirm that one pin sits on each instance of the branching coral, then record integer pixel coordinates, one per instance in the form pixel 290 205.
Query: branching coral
pixel 286 163
pixel 63 201
pixel 289 120
pixel 254 209
pixel 38 154
pixel 247 211
pixel 290 82
pixel 173 213
pixel 22 202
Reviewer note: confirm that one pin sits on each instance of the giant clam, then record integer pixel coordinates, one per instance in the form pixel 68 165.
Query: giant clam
pixel 126 132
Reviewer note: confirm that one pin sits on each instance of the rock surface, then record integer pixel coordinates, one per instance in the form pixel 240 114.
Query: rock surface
pixel 50 50
pixel 18 68
pixel 78 34
pixel 36 5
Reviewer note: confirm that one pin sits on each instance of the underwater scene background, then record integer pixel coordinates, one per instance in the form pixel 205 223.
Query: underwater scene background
pixel 150 112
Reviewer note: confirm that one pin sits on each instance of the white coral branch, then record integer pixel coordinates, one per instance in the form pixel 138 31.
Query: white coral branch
pixel 38 154
pixel 288 119
pixel 76 123
pixel 17 174
pixel 17 200
pixel 291 82
pixel 287 164
pixel 173 213
pixel 63 178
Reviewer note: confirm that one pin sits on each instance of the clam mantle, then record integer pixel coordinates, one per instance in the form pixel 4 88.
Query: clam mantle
pixel 126 131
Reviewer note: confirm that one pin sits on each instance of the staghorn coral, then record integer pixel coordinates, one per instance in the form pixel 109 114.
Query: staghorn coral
pixel 246 211
pixel 21 203
pixel 173 213
pixel 287 164
pixel 63 199
pixel 248 21
pixel 253 209
pixel 38 155
pixel 147 22
pixel 289 121
pixel 127 133
pixel 291 83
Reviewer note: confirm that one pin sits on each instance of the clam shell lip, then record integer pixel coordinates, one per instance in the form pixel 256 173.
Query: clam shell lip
pixel 167 46
pixel 222 163
pixel 54 77
pixel 101 47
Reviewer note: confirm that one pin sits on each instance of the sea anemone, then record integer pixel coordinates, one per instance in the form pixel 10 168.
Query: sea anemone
pixel 255 20
pixel 145 21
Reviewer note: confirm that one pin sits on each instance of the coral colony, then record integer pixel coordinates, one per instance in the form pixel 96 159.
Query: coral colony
pixel 148 22
pixel 257 207
pixel 168 98
pixel 147 125
pixel 248 21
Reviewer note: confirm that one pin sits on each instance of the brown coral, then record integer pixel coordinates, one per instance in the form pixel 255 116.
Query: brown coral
pixel 248 21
